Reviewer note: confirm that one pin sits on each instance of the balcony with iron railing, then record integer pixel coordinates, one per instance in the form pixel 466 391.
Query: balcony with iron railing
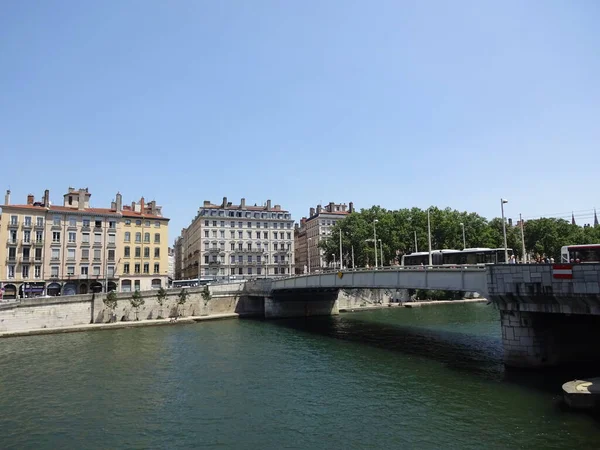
pixel 39 243
pixel 27 225
pixel 13 223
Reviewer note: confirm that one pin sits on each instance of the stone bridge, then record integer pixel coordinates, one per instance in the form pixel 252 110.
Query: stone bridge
pixel 549 313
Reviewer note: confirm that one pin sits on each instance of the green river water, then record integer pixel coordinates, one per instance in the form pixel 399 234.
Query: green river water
pixel 396 378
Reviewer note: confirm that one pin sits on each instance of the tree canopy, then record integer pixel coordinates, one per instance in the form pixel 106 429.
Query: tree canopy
pixel 396 229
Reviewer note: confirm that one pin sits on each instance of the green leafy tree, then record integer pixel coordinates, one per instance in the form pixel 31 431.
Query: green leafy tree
pixel 206 295
pixel 110 301
pixel 161 297
pixel 181 299
pixel 136 301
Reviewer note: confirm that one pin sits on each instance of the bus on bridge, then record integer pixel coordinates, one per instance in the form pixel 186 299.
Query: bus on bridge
pixel 468 256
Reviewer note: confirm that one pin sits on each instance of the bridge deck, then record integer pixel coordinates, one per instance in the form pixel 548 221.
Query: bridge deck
pixel 464 278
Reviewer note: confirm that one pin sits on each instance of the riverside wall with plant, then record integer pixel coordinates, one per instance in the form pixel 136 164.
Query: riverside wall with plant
pixel 56 312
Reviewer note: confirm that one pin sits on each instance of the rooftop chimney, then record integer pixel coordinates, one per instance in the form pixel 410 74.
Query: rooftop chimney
pixel 7 198
pixel 312 212
pixel 224 202
pixel 319 209
pixel 268 205
pixel 119 202
pixel 81 201
pixel 30 199
pixel 331 207
pixel 351 207
pixel 142 206
pixel 113 205
pixel 46 198
pixel 243 203
pixel 206 202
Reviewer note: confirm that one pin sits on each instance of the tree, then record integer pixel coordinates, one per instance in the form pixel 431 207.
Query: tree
pixel 136 301
pixel 161 296
pixel 181 299
pixel 206 295
pixel 110 301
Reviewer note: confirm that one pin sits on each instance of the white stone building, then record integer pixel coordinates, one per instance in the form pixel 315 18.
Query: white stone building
pixel 239 240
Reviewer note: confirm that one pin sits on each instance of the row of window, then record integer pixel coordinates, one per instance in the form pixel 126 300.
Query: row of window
pixel 240 259
pixel 54 271
pixel 249 271
pixel 137 267
pixel 138 252
pixel 84 270
pixel 232 224
pixel 240 246
pixel 138 237
pixel 138 223
pixel 247 214
pixel 73 220
pixel 14 221
pixel 240 235
pixel 55 254
pixel 126 285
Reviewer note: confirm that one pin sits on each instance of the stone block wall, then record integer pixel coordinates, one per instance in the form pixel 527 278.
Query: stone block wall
pixel 533 288
pixel 45 313
pixel 536 340
pixel 54 312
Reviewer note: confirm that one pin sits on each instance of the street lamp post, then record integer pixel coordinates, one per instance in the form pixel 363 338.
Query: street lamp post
pixel 464 239
pixel 380 252
pixel 353 267
pixel 333 255
pixel 502 202
pixel 309 241
pixel 341 249
pixel 375 241
pixel 524 259
pixel 416 246
pixel 429 235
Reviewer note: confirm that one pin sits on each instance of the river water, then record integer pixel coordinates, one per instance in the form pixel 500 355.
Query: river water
pixel 426 378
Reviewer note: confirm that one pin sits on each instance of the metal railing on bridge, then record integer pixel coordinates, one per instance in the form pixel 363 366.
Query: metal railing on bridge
pixel 471 278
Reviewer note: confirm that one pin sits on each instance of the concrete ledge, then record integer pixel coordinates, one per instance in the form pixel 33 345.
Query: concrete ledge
pixel 118 325
pixel 582 394
pixel 443 302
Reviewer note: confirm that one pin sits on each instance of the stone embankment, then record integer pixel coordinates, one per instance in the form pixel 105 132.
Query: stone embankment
pixel 82 310
pixel 117 325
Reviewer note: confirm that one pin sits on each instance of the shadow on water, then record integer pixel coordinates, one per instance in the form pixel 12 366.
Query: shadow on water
pixel 475 355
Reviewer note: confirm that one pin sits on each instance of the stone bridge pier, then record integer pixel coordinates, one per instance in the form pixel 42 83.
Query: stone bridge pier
pixel 549 314
pixel 301 303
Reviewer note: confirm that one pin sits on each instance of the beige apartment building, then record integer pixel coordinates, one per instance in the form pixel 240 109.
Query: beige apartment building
pixel 75 249
pixel 240 240
pixel 312 230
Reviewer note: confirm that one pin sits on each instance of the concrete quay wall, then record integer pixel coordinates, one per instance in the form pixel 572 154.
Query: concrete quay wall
pixel 55 312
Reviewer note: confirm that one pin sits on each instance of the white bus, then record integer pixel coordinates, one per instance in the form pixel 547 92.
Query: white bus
pixel 586 253
pixel 468 256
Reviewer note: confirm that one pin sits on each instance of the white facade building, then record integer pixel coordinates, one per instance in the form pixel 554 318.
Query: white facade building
pixel 240 240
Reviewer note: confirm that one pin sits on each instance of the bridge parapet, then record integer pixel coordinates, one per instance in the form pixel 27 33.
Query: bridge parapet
pixel 547 288
pixel 463 278
pixel 549 313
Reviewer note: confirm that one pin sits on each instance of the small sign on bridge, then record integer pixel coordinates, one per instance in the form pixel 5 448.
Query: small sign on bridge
pixel 562 271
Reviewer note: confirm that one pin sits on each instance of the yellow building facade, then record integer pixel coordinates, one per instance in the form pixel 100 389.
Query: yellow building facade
pixel 76 249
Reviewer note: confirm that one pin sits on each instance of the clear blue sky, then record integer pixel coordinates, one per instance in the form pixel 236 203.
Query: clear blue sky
pixel 396 103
